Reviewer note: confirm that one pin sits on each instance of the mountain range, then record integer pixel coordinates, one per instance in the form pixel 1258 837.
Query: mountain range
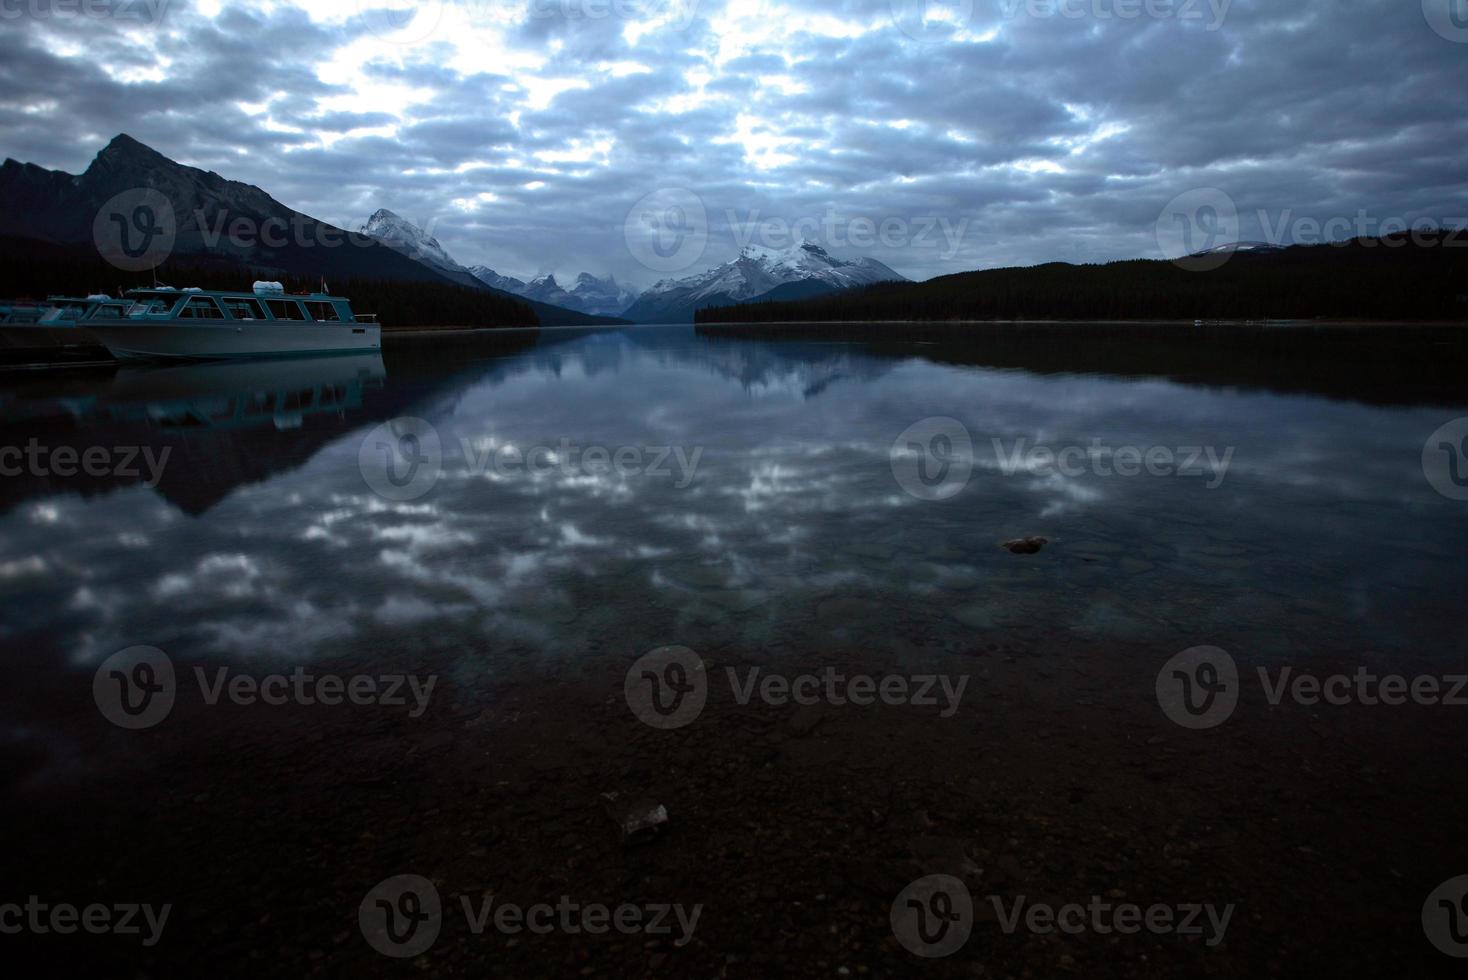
pixel 62 209
pixel 758 275
pixel 68 210
pixel 590 295
pixel 1418 275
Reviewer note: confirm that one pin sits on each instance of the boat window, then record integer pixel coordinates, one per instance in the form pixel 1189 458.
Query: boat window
pixel 323 312
pixel 243 308
pixel 108 309
pixel 285 309
pixel 201 308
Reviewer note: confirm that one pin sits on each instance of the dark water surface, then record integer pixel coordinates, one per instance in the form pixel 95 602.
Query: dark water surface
pixel 786 522
pixel 776 495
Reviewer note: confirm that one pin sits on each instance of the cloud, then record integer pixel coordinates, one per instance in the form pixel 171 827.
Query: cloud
pixel 522 131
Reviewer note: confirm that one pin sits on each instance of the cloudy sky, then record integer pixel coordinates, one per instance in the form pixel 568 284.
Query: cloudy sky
pixel 935 135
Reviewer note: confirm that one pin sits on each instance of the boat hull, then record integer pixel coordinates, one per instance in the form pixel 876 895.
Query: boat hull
pixel 192 340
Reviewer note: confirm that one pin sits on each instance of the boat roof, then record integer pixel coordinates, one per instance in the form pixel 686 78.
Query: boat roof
pixel 173 293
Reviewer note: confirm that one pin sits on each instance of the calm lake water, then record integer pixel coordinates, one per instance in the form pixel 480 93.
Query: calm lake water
pixel 718 493
pixel 517 519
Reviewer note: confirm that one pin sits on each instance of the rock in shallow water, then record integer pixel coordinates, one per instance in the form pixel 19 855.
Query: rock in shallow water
pixel 639 820
pixel 1026 546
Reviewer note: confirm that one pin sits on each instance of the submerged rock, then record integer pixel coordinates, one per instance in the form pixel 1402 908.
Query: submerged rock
pixel 1025 546
pixel 638 820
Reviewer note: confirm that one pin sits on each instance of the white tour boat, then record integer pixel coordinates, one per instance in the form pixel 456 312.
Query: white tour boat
pixel 196 324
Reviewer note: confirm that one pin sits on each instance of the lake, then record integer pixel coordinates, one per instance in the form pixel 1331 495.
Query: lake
pixel 521 517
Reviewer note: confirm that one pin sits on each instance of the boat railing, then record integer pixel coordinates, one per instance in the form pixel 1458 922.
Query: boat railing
pixel 364 317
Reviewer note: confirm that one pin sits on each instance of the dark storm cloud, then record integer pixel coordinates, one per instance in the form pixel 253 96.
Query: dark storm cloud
pixel 522 133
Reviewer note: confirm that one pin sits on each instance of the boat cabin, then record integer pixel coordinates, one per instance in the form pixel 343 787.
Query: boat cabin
pixel 267 304
pixel 69 309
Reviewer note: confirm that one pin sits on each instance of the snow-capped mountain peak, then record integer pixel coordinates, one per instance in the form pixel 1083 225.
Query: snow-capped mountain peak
pixel 757 270
pixel 598 297
pixel 401 234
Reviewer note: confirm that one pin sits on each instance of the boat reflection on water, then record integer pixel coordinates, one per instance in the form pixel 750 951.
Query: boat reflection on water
pixel 242 394
pixel 221 424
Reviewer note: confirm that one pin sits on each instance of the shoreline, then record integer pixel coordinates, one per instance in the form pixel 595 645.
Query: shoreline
pixel 794 828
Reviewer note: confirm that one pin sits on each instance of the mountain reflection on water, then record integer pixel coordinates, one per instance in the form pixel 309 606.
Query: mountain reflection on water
pixel 263 539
